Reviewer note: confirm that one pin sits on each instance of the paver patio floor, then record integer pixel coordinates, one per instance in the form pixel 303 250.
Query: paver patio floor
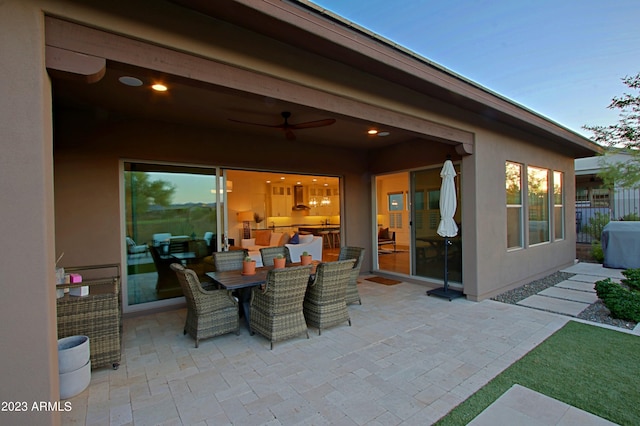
pixel 407 359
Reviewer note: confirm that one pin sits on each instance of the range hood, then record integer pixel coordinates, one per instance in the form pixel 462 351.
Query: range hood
pixel 298 199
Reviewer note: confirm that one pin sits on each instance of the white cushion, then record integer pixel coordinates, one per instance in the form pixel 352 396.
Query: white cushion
pixel 305 239
pixel 247 242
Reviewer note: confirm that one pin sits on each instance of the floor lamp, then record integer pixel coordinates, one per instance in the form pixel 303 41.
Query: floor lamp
pixel 246 218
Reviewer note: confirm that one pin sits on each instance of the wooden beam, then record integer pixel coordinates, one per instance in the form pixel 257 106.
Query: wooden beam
pixel 67 64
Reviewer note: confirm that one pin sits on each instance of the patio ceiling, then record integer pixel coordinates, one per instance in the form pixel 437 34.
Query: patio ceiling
pixel 192 103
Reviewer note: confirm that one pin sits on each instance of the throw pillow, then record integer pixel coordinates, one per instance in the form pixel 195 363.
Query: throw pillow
pixel 295 239
pixel 384 234
pixel 284 239
pixel 263 237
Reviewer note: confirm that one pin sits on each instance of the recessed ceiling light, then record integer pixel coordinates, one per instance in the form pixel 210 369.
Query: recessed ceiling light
pixel 159 87
pixel 372 132
pixel 130 81
pixel 383 133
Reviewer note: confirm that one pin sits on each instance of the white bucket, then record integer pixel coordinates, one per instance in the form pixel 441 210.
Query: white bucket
pixel 74 382
pixel 73 353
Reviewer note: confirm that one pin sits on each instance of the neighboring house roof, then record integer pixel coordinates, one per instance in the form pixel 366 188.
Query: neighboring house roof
pixel 310 27
pixel 592 165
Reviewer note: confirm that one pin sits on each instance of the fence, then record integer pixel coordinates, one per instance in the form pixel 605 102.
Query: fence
pixel 623 205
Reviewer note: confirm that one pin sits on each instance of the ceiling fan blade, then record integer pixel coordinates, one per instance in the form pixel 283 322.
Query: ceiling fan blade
pixel 289 135
pixel 277 126
pixel 311 124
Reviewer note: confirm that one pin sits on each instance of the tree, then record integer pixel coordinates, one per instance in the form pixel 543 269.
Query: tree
pixel 142 192
pixel 623 136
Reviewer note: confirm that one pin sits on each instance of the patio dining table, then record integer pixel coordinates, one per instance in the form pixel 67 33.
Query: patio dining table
pixel 243 284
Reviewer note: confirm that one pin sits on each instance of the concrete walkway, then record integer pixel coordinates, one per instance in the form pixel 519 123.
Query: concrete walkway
pixel 572 296
pixel 523 406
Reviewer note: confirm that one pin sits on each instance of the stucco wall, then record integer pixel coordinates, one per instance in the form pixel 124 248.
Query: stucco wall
pixel 488 267
pixel 29 367
pixel 87 180
pixel 499 269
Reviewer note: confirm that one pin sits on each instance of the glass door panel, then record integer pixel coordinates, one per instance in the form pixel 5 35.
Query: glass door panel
pixel 171 215
pixel 429 249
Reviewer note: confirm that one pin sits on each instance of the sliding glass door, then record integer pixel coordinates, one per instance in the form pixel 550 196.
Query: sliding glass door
pixel 429 248
pixel 171 214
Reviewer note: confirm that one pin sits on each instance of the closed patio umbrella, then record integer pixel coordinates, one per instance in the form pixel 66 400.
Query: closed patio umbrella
pixel 447 227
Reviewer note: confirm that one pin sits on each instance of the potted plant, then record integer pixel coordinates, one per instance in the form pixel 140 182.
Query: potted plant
pixel 305 258
pixel 248 266
pixel 279 261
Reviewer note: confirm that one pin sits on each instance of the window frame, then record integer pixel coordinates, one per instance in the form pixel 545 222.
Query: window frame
pixel 558 175
pixel 519 206
pixel 545 208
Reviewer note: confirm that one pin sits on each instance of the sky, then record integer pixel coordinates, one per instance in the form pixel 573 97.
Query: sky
pixel 564 59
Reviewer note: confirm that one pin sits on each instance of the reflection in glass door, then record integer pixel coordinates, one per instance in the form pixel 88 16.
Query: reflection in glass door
pixel 172 214
pixel 428 253
pixel 392 220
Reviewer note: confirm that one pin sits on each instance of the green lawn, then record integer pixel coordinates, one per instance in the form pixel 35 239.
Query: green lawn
pixel 143 268
pixel 591 368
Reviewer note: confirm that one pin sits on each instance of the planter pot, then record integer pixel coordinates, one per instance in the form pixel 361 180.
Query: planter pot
pixel 249 268
pixel 74 382
pixel 73 353
pixel 306 260
pixel 279 263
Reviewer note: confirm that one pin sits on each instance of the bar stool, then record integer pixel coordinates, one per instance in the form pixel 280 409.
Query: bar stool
pixel 326 238
pixel 335 237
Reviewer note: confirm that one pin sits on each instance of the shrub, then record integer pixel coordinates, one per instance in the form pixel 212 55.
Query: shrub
pixel 596 224
pixel 597 252
pixel 623 303
pixel 631 217
pixel 632 278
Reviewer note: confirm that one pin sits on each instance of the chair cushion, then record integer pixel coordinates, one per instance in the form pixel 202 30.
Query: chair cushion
pixel 295 239
pixel 263 237
pixel 384 234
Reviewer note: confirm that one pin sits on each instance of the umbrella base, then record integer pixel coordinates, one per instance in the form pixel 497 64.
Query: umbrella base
pixel 446 293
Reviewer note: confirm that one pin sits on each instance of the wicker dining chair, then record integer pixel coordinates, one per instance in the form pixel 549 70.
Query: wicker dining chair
pixel 270 253
pixel 324 303
pixel 229 260
pixel 209 312
pixel 352 289
pixel 276 307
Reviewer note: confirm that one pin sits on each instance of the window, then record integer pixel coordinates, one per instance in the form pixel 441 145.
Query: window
pixel 538 197
pixel 396 201
pixel 558 205
pixel 514 204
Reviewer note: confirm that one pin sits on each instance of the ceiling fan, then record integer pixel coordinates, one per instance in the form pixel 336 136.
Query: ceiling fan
pixel 288 128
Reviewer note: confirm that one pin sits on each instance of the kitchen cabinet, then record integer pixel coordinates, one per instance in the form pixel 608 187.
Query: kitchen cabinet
pixel 324 201
pixel 280 200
